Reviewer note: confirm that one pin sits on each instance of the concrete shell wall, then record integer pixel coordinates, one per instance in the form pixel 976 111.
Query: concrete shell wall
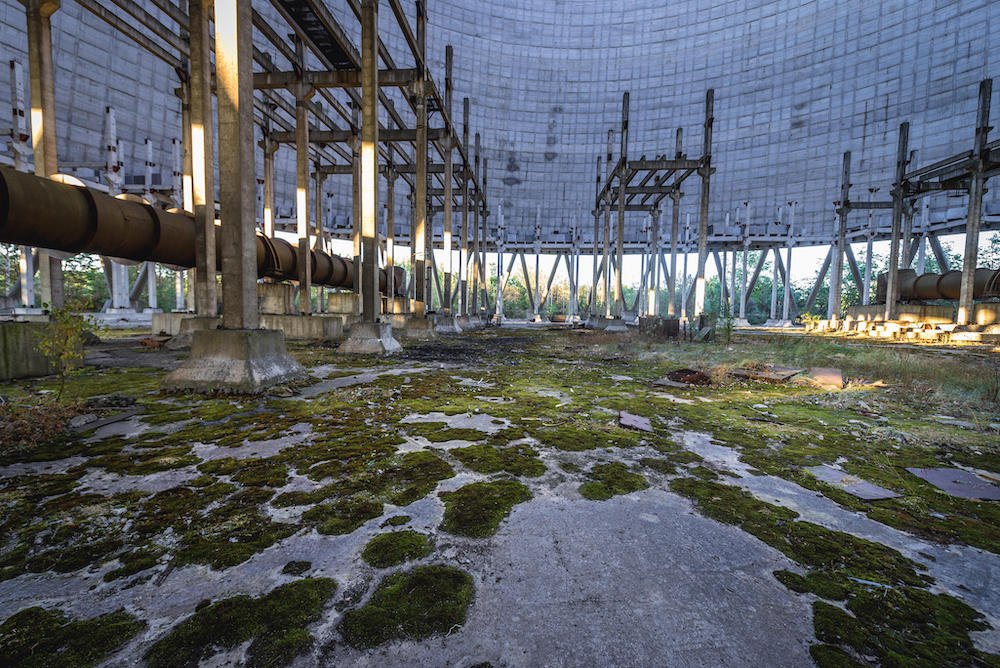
pixel 797 83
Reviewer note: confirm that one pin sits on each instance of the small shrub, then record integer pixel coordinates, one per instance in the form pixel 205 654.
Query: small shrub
pixel 61 342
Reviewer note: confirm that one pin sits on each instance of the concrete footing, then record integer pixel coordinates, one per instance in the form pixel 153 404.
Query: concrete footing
pixel 370 338
pixel 242 361
pixel 741 322
pixel 446 323
pixel 319 327
pixel 19 354
pixel 418 327
pixel 616 325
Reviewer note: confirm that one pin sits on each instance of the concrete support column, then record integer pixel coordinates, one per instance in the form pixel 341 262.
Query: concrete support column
pixel 463 258
pixel 500 276
pixel 595 248
pixel 844 207
pixel 449 179
pixel 623 178
pixel 652 300
pixel 675 217
pixel 482 234
pixel 705 171
pixel 786 305
pixel 43 126
pixel 925 208
pixel 234 76
pixel 203 159
pixel 773 314
pixel 269 149
pixel 420 195
pixel 866 295
pixel 319 180
pixel 899 192
pixel 477 260
pixel 684 279
pixel 536 304
pixel 370 310
pixel 607 260
pixel 151 286
pixel 390 239
pixel 976 191
pixel 302 95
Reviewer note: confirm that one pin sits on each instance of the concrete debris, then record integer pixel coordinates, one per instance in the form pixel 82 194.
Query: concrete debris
pixel 705 334
pixel 113 400
pixel 630 421
pixel 181 341
pixel 954 422
pixel 280 391
pixel 958 482
pixel 769 373
pixel 95 424
pixel 78 421
pixel 851 484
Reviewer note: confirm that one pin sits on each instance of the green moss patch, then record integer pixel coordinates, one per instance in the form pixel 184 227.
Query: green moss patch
pixel 296 567
pixel 394 548
pixel 520 460
pixel 607 480
pixel 413 605
pixel 343 515
pixel 396 521
pixel 45 637
pixel 275 622
pixel 476 510
pixel 440 432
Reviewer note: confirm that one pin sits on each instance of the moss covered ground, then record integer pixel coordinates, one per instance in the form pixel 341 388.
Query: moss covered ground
pixel 250 475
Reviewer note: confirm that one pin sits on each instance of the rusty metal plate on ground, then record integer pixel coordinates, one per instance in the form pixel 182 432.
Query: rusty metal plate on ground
pixel 684 378
pixel 827 377
pixel 960 483
pixel 769 373
pixel 630 421
pixel 851 484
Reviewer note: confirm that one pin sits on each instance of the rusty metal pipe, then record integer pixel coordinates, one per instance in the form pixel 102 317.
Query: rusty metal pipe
pixel 36 211
pixel 941 286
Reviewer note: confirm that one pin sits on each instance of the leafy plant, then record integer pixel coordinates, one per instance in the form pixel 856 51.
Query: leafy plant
pixel 61 341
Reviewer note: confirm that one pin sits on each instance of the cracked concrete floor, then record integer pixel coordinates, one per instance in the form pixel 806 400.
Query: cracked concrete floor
pixel 643 577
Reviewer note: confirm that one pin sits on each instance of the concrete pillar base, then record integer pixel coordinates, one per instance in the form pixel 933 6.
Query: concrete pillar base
pixel 537 318
pixel 596 322
pixel 782 324
pixel 469 322
pixel 370 338
pixel 446 323
pixel 741 322
pixel 240 361
pixel 615 325
pixel 418 327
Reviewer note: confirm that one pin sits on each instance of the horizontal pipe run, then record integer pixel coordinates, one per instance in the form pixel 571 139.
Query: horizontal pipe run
pixel 40 212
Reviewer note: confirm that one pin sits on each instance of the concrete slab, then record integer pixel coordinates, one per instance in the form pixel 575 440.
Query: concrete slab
pixel 235 360
pixel 958 482
pixel 851 484
pixel 637 422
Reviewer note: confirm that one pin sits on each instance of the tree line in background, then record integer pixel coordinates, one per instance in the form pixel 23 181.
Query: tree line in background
pixel 85 281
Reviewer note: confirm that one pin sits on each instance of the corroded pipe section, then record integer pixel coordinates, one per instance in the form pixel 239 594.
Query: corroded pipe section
pixel 40 212
pixel 940 286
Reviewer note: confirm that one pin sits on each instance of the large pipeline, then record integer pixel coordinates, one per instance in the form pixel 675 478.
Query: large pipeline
pixel 36 211
pixel 948 285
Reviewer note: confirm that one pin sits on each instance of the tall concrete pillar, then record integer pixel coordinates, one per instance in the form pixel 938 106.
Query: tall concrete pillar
pixel 302 218
pixel 867 289
pixel 463 259
pixel 477 259
pixel 420 190
pixel 898 201
pixel 203 158
pixel 976 191
pixel 43 126
pixel 596 252
pixel 744 297
pixel 837 279
pixel 270 147
pixel 675 217
pixel 449 179
pixel 500 277
pixel 370 310
pixel 482 234
pixel 786 304
pixel 538 256
pixel 234 76
pixel 925 208
pixel 705 171
pixel 652 299
pixel 390 239
pixel 623 178
pixel 684 282
pixel 607 260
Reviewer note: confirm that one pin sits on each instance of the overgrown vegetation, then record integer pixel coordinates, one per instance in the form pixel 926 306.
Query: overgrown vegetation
pixel 275 623
pixel 413 605
pixel 46 637
pixel 476 510
pixel 396 547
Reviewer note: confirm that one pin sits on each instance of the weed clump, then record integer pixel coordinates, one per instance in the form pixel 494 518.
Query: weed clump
pixel 296 567
pixel 44 637
pixel 607 480
pixel 396 547
pixel 476 510
pixel 275 622
pixel 414 604
pixel 396 521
